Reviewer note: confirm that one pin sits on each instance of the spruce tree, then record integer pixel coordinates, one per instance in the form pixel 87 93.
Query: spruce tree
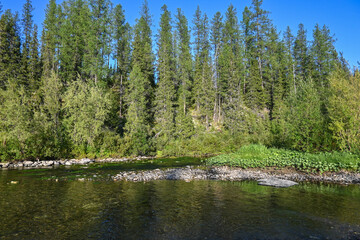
pixel 165 97
pixel 257 26
pixel 229 84
pixel 288 41
pixel 74 35
pixel 50 38
pixel 216 38
pixel 203 90
pixel 34 67
pixel 248 47
pixel 98 42
pixel 183 120
pixel 137 127
pixel 324 56
pixel 143 57
pixel 10 44
pixel 140 91
pixel 122 57
pixel 27 24
pixel 301 55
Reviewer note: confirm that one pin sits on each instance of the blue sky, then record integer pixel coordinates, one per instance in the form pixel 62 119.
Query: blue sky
pixel 341 16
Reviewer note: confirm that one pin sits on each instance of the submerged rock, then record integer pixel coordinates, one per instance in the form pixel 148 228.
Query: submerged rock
pixel 276 182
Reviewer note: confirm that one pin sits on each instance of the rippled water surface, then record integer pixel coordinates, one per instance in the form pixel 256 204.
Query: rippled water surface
pixel 54 204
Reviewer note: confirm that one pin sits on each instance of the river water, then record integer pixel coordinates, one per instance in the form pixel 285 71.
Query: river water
pixel 83 203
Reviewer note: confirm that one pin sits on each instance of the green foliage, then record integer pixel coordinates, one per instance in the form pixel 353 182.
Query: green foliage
pixel 258 156
pixel 137 127
pixel 10 43
pixel 50 38
pixel 183 120
pixel 204 143
pixel 95 88
pixel 165 95
pixel 86 107
pixel 15 122
pixel 344 110
pixel 306 124
pixel 203 89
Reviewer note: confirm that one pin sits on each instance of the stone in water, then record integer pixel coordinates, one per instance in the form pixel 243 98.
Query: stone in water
pixel 276 182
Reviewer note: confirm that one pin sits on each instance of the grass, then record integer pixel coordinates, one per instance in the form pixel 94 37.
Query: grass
pixel 258 156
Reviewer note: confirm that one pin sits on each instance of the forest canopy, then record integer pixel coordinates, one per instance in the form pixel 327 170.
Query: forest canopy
pixel 90 84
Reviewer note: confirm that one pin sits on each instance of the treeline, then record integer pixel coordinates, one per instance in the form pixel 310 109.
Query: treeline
pixel 94 86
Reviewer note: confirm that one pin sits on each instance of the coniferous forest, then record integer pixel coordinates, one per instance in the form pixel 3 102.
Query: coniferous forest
pixel 90 84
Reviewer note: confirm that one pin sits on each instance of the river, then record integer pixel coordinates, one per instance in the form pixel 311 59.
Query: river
pixel 84 203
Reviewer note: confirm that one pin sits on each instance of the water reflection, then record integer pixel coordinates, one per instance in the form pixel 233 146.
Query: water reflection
pixel 40 209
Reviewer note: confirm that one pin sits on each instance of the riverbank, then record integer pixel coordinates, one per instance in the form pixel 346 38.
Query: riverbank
pixel 225 173
pixel 259 156
pixel 67 162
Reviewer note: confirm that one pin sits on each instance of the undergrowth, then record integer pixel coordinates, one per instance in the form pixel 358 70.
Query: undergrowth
pixel 259 156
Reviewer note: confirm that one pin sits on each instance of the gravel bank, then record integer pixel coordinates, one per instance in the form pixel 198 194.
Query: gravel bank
pixel 67 162
pixel 234 174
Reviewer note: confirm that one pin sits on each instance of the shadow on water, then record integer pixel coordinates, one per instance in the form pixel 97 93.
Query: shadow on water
pixel 42 209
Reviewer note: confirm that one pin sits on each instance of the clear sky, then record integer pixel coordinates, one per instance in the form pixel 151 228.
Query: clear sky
pixel 341 16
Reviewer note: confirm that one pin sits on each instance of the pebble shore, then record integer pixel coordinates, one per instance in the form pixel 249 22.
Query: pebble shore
pixel 233 174
pixel 67 162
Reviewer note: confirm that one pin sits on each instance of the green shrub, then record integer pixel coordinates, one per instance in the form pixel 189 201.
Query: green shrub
pixel 258 156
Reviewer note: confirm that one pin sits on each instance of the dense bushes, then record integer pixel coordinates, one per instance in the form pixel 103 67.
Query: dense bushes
pixel 258 156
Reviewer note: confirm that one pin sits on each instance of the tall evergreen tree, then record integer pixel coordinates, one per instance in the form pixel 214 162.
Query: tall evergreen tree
pixel 323 54
pixel 290 82
pixel 50 38
pixel 216 38
pixel 140 93
pixel 165 98
pixel 98 41
pixel 203 90
pixel 183 120
pixel 10 52
pixel 143 57
pixel 142 45
pixel 137 127
pixel 301 54
pixel 122 57
pixel 229 85
pixel 73 34
pixel 257 28
pixel 27 24
pixel 34 67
